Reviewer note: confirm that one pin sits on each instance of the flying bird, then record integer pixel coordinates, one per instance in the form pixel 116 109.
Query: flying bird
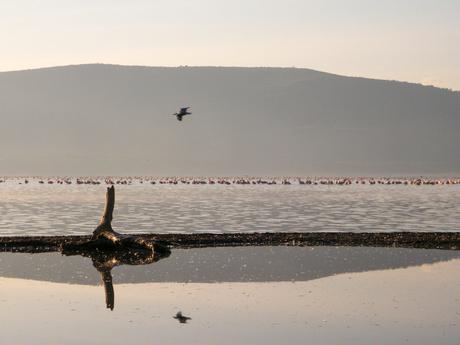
pixel 182 113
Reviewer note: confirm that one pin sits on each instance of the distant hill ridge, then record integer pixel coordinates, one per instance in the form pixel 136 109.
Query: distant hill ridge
pixel 117 120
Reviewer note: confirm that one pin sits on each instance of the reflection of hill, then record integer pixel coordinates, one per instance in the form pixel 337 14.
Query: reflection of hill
pixel 240 264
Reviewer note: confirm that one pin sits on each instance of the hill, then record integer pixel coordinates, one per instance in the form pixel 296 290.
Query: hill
pixel 116 120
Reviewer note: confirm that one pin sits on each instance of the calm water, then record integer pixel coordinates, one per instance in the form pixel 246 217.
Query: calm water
pixel 250 295
pixel 35 209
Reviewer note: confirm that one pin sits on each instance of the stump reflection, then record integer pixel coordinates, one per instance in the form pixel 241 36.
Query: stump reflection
pixel 105 261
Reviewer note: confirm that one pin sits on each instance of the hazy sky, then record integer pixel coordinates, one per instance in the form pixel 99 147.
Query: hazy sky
pixel 412 40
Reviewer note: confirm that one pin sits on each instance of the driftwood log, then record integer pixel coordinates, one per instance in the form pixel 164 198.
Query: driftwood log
pixel 104 238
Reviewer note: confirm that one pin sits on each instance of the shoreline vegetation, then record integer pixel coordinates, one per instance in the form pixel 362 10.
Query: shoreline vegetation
pixel 236 180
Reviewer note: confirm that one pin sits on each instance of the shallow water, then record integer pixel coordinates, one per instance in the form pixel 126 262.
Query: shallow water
pixel 35 209
pixel 248 295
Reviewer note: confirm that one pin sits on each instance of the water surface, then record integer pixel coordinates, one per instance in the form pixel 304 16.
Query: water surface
pixel 75 209
pixel 323 295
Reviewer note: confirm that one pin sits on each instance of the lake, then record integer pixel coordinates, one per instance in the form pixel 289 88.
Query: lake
pixel 249 295
pixel 53 209
pixel 230 295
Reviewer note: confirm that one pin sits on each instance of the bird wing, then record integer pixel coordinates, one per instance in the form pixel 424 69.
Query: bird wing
pixel 183 110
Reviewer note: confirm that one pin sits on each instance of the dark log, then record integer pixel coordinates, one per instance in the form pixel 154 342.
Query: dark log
pixel 107 216
pixel 104 229
pixel 105 238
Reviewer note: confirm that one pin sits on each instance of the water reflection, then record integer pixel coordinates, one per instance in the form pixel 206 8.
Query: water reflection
pixel 224 264
pixel 181 318
pixel 211 265
pixel 269 295
pixel 104 262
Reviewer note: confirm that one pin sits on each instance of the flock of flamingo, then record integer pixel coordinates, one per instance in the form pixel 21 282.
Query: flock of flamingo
pixel 227 181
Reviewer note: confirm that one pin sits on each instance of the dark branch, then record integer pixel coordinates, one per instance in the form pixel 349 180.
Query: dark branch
pixel 107 216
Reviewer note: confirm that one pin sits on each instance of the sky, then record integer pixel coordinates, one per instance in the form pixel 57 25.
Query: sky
pixel 410 40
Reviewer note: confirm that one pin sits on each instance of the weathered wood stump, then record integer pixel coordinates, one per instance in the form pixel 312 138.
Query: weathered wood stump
pixel 106 239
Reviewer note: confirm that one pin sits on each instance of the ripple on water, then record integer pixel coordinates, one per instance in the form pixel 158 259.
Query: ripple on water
pixel 56 209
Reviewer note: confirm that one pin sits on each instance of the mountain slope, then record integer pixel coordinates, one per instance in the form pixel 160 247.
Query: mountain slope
pixel 105 119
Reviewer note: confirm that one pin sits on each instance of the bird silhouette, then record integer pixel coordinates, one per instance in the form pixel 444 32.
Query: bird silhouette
pixel 182 112
pixel 181 318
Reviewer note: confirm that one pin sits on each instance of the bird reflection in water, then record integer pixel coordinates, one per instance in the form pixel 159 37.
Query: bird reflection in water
pixel 181 318
pixel 105 261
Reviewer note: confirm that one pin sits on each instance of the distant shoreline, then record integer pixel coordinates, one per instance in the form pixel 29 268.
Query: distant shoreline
pixel 424 240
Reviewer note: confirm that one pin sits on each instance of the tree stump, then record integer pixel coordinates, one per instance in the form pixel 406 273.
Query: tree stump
pixel 106 239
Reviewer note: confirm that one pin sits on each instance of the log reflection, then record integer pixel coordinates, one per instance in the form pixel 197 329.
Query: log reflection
pixel 108 249
pixel 105 261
